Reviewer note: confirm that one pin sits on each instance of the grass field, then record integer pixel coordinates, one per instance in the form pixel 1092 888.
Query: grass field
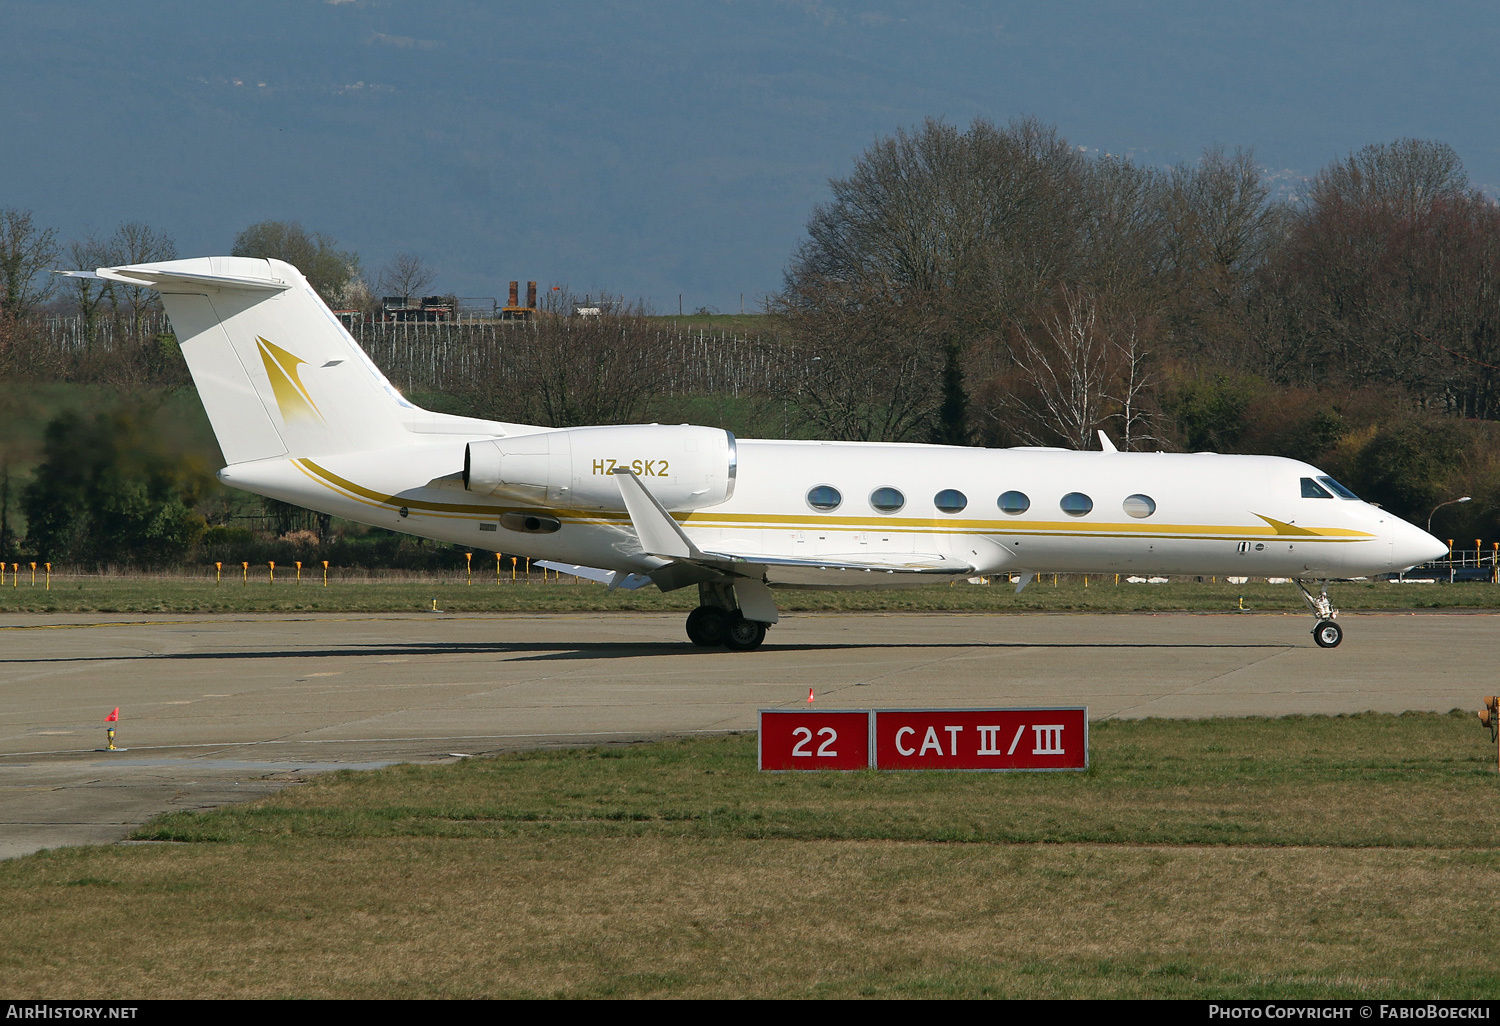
pixel 746 325
pixel 1299 857
pixel 200 594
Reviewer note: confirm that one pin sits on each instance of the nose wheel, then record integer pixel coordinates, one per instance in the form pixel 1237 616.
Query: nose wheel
pixel 1327 633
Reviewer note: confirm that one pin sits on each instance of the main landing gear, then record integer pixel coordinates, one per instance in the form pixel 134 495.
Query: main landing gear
pixel 1326 632
pixel 721 626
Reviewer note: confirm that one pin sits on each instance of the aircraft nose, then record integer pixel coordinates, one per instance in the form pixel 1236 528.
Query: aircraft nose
pixel 1413 546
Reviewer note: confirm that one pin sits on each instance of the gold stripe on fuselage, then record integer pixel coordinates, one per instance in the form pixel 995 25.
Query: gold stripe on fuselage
pixel 801 522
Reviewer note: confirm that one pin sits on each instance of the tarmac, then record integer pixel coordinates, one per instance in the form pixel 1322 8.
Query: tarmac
pixel 216 709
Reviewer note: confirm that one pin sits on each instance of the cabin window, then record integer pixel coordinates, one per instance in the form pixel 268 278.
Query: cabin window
pixel 824 498
pixel 887 500
pixel 950 500
pixel 1076 504
pixel 1139 506
pixel 1014 502
pixel 1338 489
pixel 1312 490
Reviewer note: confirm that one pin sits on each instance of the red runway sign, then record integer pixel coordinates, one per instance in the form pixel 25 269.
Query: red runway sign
pixel 814 739
pixel 981 739
pixel 914 739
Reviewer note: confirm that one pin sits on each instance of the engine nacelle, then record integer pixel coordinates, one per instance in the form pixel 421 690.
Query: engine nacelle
pixel 685 467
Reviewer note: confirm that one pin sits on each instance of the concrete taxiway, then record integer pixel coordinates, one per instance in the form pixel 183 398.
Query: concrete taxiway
pixel 221 708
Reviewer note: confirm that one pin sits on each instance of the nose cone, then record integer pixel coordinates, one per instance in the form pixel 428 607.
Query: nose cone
pixel 1412 546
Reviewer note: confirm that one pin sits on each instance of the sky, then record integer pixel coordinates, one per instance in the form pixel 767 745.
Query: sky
pixel 668 148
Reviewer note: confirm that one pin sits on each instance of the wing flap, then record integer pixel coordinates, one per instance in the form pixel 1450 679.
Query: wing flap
pixel 613 578
pixel 902 569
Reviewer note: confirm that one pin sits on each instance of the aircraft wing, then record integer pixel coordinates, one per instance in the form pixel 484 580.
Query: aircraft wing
pixel 837 571
pixel 663 537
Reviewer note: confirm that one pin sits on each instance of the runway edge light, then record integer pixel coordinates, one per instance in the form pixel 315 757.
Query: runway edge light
pixel 109 732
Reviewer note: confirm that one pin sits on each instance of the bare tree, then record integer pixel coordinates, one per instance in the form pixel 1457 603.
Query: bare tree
pixel 568 371
pixel 1059 386
pixel 137 243
pixel 405 274
pixel 27 253
pixel 864 369
pixel 89 294
pixel 1135 383
pixel 1388 276
pixel 1220 226
pixel 981 217
pixel 1404 177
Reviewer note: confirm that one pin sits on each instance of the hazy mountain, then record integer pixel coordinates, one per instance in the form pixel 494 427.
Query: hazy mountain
pixel 663 147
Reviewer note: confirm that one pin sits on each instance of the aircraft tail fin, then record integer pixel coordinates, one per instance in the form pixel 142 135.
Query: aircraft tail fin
pixel 277 372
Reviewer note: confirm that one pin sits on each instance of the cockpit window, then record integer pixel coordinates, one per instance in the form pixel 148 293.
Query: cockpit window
pixel 1338 489
pixel 1312 490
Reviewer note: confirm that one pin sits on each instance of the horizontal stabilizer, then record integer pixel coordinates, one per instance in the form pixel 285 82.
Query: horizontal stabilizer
pixel 163 278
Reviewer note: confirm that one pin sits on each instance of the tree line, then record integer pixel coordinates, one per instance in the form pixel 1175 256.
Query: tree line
pixel 996 285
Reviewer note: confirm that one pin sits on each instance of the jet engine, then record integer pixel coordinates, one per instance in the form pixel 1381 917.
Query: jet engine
pixel 685 467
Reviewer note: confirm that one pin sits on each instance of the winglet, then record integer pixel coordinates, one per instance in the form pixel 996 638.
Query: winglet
pixel 654 526
pixel 1105 444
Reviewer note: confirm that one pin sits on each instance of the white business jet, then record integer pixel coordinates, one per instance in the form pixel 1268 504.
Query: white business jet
pixel 303 415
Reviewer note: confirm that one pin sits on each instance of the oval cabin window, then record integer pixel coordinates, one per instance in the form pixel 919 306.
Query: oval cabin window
pixel 1140 506
pixel 824 498
pixel 887 500
pixel 950 500
pixel 1076 504
pixel 1014 502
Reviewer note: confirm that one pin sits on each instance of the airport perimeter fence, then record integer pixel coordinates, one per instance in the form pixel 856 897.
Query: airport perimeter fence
pixel 499 568
pixel 441 356
pixel 485 569
pixel 450 357
pixel 1478 564
pixel 109 348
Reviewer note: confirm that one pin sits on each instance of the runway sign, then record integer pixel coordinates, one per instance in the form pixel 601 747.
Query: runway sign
pixel 814 739
pixel 917 739
pixel 981 739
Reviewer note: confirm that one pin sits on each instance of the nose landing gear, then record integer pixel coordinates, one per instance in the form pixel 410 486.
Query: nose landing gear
pixel 1326 633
